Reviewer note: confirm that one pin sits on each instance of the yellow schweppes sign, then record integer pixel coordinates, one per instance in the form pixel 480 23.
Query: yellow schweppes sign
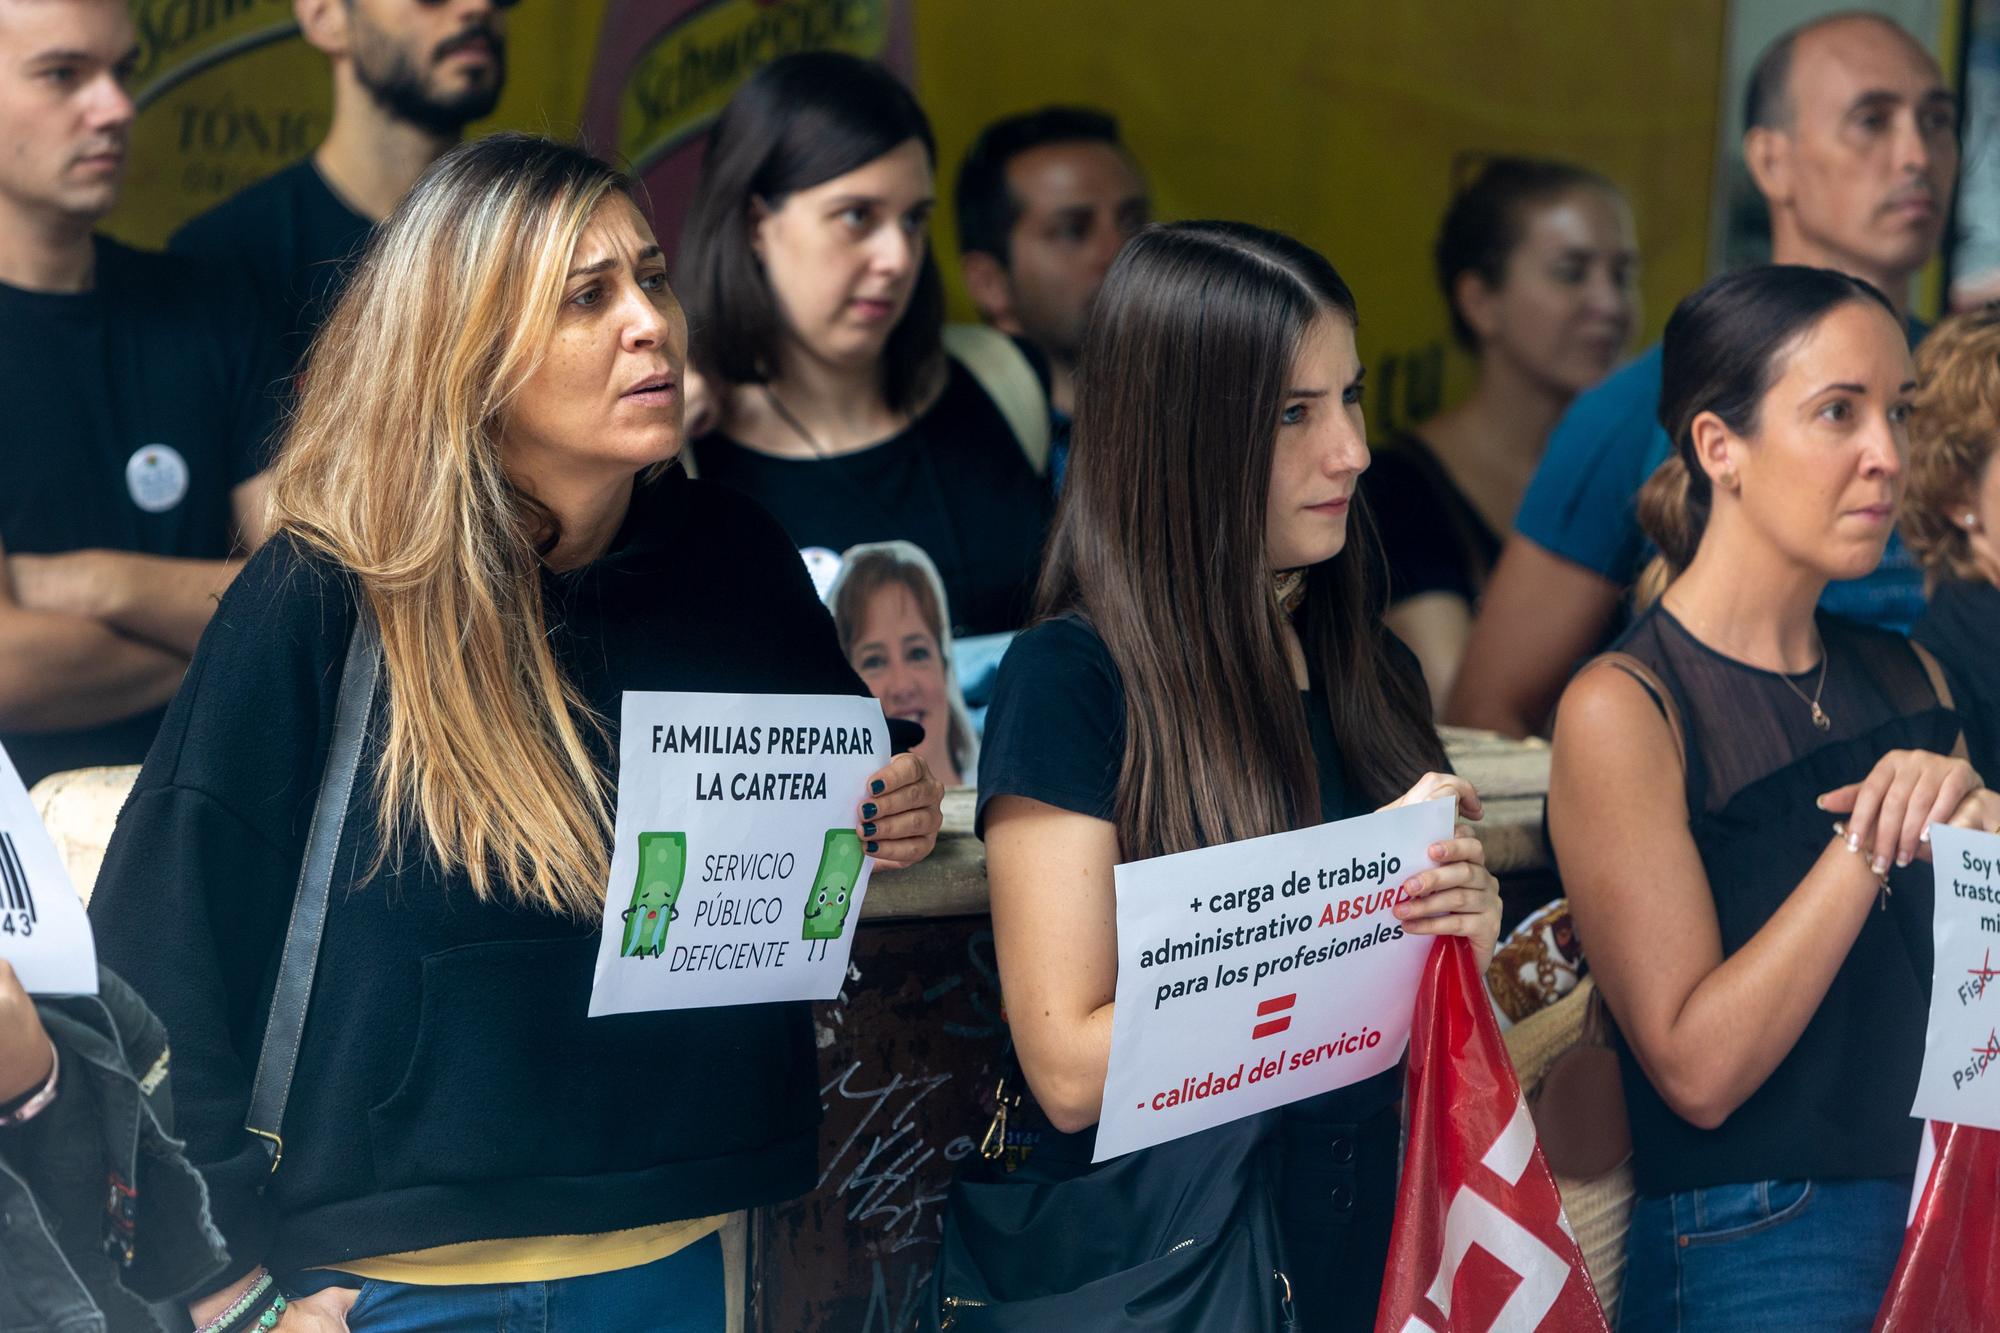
pixel 180 38
pixel 681 81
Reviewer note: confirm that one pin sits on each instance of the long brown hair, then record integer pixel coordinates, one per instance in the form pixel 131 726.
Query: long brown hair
pixel 392 468
pixel 1159 544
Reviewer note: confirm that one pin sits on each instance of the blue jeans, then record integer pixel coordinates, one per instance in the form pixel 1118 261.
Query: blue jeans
pixel 682 1293
pixel 1776 1254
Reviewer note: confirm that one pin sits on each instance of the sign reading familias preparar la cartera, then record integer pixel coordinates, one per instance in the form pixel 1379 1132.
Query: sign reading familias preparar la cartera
pixel 737 873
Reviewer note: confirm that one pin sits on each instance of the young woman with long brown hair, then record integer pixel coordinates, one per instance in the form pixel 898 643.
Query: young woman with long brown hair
pixel 478 458
pixel 1210 665
pixel 1737 797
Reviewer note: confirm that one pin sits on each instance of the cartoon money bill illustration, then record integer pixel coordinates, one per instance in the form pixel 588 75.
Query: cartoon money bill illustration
pixel 662 865
pixel 832 890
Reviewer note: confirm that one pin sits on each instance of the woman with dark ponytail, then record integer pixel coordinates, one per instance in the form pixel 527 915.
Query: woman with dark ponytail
pixel 1737 796
pixel 1539 271
pixel 1210 665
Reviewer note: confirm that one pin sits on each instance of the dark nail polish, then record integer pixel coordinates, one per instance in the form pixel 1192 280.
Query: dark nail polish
pixel 873 847
pixel 868 829
pixel 878 786
pixel 868 810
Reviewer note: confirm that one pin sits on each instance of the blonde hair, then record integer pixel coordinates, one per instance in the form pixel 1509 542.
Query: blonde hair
pixel 392 468
pixel 1953 436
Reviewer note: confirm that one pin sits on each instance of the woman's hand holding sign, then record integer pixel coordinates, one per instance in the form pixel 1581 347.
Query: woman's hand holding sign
pixel 900 819
pixel 1459 896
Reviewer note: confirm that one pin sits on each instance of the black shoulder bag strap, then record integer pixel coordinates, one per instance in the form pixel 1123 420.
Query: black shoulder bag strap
pixel 282 1032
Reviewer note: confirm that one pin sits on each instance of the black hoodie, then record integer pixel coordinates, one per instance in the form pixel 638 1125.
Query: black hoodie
pixel 450 1087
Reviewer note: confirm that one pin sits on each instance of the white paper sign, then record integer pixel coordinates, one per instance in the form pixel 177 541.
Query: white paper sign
pixel 1960 1083
pixel 44 933
pixel 737 875
pixel 1258 973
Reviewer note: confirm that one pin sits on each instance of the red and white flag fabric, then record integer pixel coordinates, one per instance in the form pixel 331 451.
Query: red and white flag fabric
pixel 1480 1242
pixel 1948 1279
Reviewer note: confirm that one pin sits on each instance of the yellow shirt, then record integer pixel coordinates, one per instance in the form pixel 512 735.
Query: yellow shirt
pixel 534 1258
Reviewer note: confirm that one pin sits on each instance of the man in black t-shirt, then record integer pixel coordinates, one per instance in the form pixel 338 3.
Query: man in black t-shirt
pixel 408 77
pixel 138 392
pixel 1045 202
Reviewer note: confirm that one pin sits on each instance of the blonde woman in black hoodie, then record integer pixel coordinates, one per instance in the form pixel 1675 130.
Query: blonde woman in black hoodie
pixel 477 459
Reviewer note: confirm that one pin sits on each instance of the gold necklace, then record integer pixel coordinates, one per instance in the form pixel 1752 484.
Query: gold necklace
pixel 1819 717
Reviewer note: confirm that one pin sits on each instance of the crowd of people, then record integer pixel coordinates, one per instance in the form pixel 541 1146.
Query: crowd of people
pixel 450 404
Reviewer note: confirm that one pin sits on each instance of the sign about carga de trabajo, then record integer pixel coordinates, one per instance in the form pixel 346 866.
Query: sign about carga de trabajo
pixel 738 873
pixel 1258 973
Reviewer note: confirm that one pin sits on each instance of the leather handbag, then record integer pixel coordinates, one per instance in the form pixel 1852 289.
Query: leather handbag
pixel 283 1030
pixel 1183 1235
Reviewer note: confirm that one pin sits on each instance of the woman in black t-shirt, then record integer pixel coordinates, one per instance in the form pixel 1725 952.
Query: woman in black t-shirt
pixel 1536 262
pixel 1211 666
pixel 1736 798
pixel 818 314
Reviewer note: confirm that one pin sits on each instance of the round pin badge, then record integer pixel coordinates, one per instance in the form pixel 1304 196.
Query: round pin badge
pixel 157 477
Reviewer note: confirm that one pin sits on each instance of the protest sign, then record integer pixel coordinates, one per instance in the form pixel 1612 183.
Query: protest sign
pixel 44 933
pixel 1962 1041
pixel 1257 973
pixel 737 873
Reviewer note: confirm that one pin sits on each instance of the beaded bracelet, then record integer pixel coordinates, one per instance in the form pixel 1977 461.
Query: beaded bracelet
pixel 261 1306
pixel 1881 878
pixel 37 1101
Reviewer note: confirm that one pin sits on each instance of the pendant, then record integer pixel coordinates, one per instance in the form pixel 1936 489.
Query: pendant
pixel 1820 719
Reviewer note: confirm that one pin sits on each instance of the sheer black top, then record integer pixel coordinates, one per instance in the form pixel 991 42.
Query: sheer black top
pixel 1839 1104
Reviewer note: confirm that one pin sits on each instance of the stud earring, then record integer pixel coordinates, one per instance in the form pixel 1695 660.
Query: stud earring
pixel 1727 481
pixel 1971 522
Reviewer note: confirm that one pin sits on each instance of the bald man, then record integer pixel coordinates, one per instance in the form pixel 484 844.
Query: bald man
pixel 1852 140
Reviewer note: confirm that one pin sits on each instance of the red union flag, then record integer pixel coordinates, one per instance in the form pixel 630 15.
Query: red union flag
pixel 1480 1241
pixel 1948 1278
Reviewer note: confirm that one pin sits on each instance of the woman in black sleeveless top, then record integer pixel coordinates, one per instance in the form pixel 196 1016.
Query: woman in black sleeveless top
pixel 1736 800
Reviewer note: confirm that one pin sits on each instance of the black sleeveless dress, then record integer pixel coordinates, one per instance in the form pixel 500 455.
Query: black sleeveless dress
pixel 1838 1105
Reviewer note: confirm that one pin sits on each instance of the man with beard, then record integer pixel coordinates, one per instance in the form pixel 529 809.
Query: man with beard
pixel 1045 202
pixel 408 77
pixel 138 390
